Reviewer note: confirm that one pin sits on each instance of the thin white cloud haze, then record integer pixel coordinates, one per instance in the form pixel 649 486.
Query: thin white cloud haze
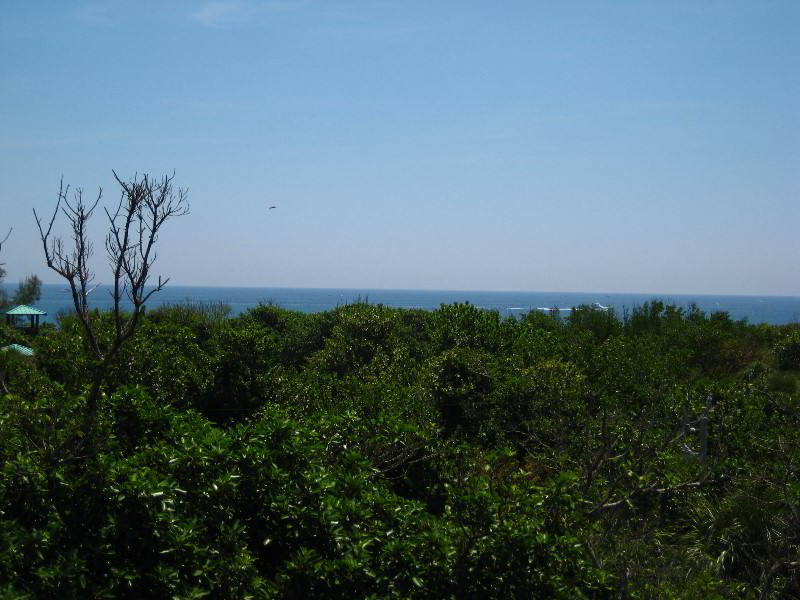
pixel 239 12
pixel 213 13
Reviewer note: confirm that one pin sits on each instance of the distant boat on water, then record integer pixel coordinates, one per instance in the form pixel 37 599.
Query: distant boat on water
pixel 595 305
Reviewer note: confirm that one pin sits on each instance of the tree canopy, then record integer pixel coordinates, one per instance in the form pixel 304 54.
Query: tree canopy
pixel 389 453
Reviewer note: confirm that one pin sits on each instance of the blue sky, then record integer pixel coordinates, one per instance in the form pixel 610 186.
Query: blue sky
pixel 599 146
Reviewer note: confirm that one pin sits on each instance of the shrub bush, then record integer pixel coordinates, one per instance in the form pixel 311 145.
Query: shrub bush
pixel 787 352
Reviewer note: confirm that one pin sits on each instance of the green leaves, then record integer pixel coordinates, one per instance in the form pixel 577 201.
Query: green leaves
pixel 787 351
pixel 381 453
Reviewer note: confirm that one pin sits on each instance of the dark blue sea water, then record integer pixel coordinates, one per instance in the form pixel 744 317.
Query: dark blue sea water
pixel 756 309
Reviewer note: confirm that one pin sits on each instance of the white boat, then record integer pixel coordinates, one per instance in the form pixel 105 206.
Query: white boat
pixel 595 305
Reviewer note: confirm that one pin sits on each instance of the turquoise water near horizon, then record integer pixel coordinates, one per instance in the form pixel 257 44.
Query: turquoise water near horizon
pixel 775 310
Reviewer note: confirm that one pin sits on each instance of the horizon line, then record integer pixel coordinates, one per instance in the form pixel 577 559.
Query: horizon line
pixel 655 295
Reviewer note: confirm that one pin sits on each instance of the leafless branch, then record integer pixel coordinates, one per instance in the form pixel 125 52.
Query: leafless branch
pixel 73 265
pixel 2 272
pixel 145 205
pixel 6 238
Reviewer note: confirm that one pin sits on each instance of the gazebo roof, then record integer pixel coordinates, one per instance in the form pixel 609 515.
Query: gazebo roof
pixel 24 310
pixel 19 349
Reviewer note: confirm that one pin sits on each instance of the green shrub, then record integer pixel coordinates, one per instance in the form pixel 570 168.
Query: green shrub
pixel 466 326
pixel 246 357
pixel 459 383
pixel 166 360
pixel 542 406
pixel 300 334
pixel 201 318
pixel 787 352
pixel 359 333
pixel 601 323
pixel 375 452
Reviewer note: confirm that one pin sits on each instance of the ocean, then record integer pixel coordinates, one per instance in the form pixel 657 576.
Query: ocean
pixel 774 310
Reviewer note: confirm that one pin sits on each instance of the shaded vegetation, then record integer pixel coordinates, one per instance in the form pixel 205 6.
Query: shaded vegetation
pixel 371 452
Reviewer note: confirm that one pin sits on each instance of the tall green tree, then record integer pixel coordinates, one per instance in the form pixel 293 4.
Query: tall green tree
pixel 28 292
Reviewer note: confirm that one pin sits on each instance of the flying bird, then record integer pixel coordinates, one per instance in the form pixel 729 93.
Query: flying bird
pixel 271 207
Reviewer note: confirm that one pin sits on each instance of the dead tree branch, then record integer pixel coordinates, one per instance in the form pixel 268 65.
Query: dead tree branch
pixel 145 205
pixel 6 239
pixel 73 265
pixel 2 270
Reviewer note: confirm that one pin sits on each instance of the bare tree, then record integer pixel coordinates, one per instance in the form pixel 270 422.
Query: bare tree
pixel 1 247
pixel 145 205
pixel 5 238
pixel 3 295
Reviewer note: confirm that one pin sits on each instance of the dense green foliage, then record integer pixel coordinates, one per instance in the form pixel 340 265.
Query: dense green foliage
pixel 370 452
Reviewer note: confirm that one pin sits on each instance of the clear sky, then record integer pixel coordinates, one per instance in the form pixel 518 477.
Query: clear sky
pixel 599 146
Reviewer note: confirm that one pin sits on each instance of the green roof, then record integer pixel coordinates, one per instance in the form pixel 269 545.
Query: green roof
pixel 24 350
pixel 23 310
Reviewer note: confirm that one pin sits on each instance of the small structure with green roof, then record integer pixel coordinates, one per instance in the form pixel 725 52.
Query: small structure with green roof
pixel 19 349
pixel 24 310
